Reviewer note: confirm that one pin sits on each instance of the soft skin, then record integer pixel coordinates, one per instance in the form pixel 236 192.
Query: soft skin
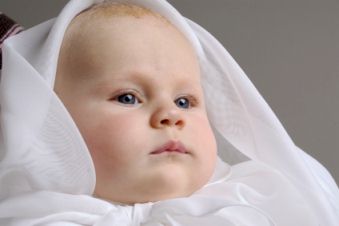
pixel 132 85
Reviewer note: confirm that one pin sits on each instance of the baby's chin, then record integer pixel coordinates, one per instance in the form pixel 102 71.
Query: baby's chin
pixel 157 191
pixel 162 180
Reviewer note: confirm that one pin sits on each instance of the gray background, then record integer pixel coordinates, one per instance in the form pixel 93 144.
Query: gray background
pixel 288 48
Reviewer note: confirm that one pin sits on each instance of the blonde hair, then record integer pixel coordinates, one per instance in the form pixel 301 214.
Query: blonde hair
pixel 109 9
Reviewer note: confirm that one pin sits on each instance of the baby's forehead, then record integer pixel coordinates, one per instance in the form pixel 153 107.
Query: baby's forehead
pixel 104 35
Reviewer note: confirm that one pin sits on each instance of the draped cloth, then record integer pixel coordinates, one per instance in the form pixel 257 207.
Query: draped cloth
pixel 47 175
pixel 8 27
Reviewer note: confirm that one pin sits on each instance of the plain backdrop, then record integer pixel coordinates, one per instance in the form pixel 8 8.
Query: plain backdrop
pixel 288 48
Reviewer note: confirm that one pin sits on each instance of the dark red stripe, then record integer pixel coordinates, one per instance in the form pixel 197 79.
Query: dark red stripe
pixel 10 32
pixel 5 24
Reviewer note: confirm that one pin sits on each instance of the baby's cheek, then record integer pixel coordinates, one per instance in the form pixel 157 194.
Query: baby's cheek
pixel 116 134
pixel 203 130
pixel 109 141
pixel 206 142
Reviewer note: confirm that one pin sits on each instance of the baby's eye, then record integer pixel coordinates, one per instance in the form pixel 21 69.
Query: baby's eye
pixel 127 98
pixel 183 102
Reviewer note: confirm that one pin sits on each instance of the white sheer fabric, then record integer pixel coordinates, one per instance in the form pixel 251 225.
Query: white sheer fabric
pixel 47 175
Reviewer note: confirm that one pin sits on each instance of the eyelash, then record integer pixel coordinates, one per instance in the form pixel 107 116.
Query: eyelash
pixel 193 102
pixel 125 93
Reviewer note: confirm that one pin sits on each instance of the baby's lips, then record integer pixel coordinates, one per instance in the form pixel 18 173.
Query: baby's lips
pixel 171 146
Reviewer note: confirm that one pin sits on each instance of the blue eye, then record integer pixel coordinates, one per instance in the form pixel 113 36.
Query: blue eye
pixel 127 98
pixel 183 102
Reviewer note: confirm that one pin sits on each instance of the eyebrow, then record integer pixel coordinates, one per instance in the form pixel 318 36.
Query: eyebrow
pixel 125 77
pixel 139 78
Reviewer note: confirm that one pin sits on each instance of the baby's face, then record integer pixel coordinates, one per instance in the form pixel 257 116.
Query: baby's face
pixel 133 88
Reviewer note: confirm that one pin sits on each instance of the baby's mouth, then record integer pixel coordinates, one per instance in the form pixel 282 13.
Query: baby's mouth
pixel 171 147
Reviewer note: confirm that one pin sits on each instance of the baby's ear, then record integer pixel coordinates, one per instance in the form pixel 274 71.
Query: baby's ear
pixel 8 27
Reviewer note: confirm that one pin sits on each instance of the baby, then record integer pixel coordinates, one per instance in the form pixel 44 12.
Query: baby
pixel 122 90
pixel 131 82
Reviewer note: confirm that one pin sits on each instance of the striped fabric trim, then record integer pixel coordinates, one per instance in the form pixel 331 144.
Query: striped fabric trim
pixel 8 27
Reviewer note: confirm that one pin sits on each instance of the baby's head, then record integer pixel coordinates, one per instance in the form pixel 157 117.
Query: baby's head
pixel 131 82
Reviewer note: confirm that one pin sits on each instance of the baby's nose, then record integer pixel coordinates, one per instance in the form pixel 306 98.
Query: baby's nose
pixel 163 118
